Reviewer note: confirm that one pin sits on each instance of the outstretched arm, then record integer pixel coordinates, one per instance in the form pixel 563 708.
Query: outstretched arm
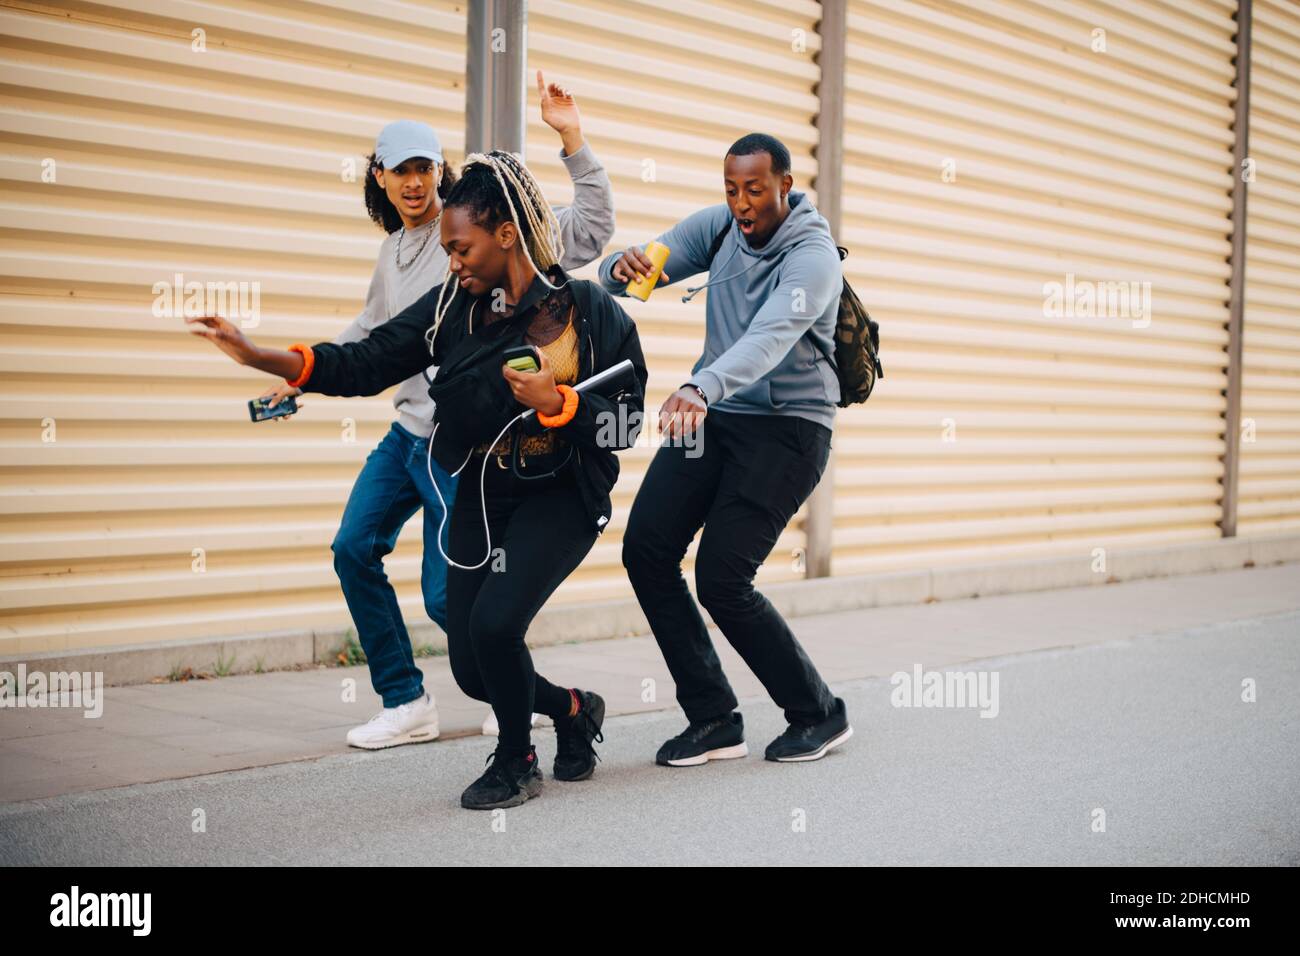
pixel 587 225
pixel 228 337
pixel 688 245
pixel 392 353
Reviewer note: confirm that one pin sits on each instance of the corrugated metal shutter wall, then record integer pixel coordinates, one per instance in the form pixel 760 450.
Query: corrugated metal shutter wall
pixel 991 151
pixel 223 164
pixel 1269 493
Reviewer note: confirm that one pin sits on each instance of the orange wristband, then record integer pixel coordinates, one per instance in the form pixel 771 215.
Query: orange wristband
pixel 308 360
pixel 566 413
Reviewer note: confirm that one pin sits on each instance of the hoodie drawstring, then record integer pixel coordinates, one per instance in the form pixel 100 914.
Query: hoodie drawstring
pixel 693 292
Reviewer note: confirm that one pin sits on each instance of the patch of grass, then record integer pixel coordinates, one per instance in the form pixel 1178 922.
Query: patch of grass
pixel 259 665
pixel 428 650
pixel 180 674
pixel 223 665
pixel 350 654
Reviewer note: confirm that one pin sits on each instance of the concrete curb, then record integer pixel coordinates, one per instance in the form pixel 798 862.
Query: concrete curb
pixel 141 663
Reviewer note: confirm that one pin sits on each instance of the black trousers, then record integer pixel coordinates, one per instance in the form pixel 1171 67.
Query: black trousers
pixel 753 474
pixel 540 532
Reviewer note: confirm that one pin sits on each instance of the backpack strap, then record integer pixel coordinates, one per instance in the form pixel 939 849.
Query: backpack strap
pixel 844 254
pixel 717 243
pixel 713 253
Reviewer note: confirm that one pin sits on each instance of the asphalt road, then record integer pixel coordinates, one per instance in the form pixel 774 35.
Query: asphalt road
pixel 1152 731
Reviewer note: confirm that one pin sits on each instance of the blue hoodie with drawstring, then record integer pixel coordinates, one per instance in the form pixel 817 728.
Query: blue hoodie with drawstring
pixel 770 314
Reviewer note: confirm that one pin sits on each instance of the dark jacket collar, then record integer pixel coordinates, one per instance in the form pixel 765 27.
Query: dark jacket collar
pixel 538 290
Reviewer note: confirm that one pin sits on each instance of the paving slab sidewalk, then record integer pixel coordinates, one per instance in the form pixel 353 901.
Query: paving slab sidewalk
pixel 152 732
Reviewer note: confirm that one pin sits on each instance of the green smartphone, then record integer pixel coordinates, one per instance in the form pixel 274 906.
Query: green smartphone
pixel 523 358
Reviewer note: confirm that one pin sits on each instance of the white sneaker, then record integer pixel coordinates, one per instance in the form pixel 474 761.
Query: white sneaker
pixel 492 729
pixel 412 723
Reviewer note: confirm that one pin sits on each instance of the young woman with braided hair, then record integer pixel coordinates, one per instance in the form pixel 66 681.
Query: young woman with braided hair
pixel 405 185
pixel 536 491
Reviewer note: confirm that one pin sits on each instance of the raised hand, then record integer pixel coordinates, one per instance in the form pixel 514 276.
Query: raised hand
pixel 560 113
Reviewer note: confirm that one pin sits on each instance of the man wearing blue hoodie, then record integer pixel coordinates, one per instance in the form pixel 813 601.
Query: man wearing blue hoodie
pixel 762 397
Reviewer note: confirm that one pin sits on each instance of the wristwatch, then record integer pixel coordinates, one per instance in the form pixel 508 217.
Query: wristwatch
pixel 704 398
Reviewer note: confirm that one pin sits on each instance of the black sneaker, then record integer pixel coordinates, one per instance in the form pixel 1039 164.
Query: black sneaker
pixel 719 739
pixel 811 741
pixel 508 782
pixel 575 757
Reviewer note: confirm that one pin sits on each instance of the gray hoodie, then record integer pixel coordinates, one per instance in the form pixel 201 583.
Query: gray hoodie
pixel 763 307
pixel 586 227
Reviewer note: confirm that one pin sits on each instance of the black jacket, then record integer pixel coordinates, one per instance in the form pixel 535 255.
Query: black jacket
pixel 396 350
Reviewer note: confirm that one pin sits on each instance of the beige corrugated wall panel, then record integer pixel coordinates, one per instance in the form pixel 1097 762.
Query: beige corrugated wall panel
pixel 224 164
pixel 1002 430
pixel 1269 482
pixel 664 89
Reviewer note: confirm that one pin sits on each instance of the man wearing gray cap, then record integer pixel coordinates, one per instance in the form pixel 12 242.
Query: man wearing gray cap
pixel 404 188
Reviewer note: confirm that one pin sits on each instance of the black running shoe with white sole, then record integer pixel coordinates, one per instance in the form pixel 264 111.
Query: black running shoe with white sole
pixel 575 757
pixel 507 782
pixel 802 742
pixel 721 738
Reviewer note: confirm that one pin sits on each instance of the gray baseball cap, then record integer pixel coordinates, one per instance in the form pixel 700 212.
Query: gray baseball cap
pixel 404 140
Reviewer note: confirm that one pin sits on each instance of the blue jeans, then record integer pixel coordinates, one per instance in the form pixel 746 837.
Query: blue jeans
pixel 393 485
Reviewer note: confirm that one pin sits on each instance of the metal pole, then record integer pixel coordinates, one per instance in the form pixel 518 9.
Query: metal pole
pixel 1237 280
pixel 496 56
pixel 832 28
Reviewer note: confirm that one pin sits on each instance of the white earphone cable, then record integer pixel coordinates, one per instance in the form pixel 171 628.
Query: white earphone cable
pixel 487 534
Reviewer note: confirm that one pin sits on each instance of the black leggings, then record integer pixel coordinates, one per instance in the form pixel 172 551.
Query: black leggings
pixel 540 533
